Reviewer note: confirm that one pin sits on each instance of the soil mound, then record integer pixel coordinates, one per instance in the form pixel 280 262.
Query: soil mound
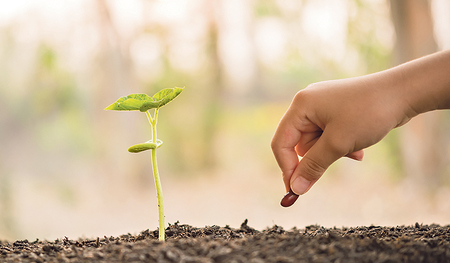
pixel 418 243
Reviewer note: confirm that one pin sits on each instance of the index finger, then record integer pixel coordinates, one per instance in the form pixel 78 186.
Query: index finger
pixel 283 144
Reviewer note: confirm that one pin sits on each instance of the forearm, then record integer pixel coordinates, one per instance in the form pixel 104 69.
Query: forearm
pixel 425 83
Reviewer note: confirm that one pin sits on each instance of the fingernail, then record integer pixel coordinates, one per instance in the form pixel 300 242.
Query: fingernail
pixel 359 157
pixel 300 185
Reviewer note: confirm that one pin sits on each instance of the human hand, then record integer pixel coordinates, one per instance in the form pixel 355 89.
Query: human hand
pixel 332 119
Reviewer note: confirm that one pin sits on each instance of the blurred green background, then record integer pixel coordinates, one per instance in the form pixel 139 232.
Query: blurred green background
pixel 64 166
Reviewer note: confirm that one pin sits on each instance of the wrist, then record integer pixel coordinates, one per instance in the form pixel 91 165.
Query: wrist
pixel 391 90
pixel 425 82
pixel 418 86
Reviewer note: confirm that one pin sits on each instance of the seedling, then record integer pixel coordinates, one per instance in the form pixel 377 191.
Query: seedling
pixel 145 103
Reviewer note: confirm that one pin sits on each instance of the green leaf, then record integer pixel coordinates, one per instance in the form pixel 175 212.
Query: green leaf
pixel 133 102
pixel 145 146
pixel 143 102
pixel 165 96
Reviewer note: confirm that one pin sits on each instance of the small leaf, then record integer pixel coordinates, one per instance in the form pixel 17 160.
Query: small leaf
pixel 133 102
pixel 165 96
pixel 145 146
pixel 143 102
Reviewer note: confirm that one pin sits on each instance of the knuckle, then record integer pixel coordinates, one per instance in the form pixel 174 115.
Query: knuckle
pixel 307 94
pixel 273 144
pixel 301 96
pixel 311 169
pixel 337 144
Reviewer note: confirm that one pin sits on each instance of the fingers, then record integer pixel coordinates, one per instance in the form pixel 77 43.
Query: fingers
pixel 314 163
pixel 288 143
pixel 358 155
pixel 283 147
pixel 307 140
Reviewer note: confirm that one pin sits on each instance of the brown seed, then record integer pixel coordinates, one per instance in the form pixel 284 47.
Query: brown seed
pixel 289 199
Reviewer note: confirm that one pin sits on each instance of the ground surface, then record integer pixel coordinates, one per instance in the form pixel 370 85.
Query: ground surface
pixel 418 243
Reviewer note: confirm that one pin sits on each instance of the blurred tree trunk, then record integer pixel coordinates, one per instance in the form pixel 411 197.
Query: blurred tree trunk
pixel 215 86
pixel 420 138
pixel 113 66
pixel 111 79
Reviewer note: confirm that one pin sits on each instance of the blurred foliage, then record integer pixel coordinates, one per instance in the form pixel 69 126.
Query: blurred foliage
pixel 58 111
pixel 364 25
pixel 62 110
pixel 263 8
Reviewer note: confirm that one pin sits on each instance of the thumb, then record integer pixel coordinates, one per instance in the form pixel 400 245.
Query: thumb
pixel 314 163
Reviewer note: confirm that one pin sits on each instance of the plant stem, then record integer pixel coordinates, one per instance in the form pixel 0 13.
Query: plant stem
pixel 153 121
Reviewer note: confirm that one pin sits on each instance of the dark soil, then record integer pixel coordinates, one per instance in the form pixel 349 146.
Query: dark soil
pixel 418 243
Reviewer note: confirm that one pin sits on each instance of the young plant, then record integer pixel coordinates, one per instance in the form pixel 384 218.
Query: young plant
pixel 145 103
